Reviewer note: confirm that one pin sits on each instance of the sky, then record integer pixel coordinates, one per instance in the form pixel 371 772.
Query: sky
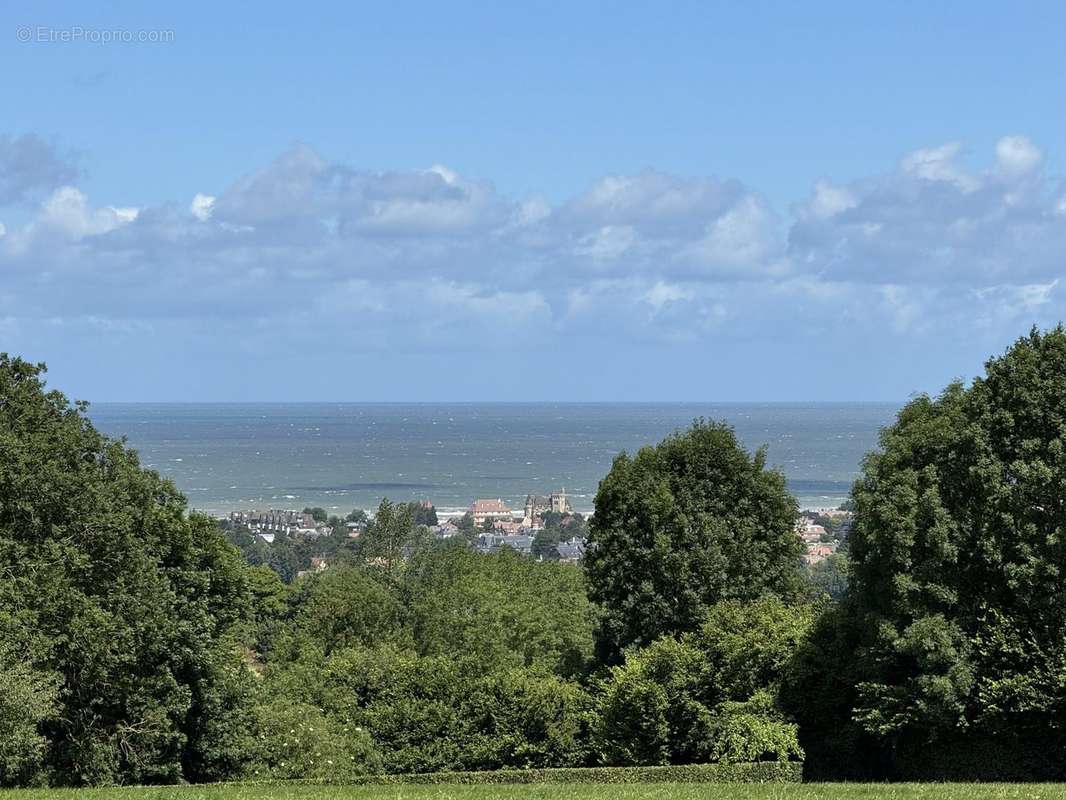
pixel 537 201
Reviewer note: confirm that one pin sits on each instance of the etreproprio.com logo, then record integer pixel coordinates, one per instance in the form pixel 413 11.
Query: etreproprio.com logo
pixel 76 33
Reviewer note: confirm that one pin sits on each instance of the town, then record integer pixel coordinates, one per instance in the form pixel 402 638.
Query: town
pixel 546 528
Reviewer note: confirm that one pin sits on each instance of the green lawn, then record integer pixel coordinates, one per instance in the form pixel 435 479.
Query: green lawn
pixel 705 791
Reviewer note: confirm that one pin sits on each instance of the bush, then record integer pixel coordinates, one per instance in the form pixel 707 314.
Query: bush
pixel 27 701
pixel 707 696
pixel 753 731
pixel 765 772
pixel 293 740
pixel 504 610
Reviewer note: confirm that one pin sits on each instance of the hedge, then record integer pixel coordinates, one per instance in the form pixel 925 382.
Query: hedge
pixel 760 772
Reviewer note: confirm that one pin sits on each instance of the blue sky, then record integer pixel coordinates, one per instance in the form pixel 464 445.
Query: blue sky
pixel 460 201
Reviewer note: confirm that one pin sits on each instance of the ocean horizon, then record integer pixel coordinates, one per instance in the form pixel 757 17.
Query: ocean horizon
pixel 229 456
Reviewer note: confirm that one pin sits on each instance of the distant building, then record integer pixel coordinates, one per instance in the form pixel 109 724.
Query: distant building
pixel 274 520
pixel 447 529
pixel 488 543
pixel 560 503
pixel 818 552
pixel 482 510
pixel 537 505
pixel 571 551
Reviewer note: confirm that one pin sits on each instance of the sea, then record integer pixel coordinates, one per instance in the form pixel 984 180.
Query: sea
pixel 342 456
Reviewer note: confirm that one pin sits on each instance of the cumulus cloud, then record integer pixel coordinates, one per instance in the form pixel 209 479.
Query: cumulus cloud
pixel 31 167
pixel 305 251
pixel 932 221
pixel 201 206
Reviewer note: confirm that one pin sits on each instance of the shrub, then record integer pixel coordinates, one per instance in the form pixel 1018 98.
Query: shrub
pixel 293 740
pixel 27 700
pixel 765 772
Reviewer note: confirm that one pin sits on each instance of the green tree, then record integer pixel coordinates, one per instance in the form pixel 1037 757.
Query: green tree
pixel 682 525
pixel 344 607
pixel 423 514
pixel 829 577
pixel 317 513
pixel 709 695
pixel 949 651
pixel 131 601
pixel 27 702
pixel 388 537
pixel 503 609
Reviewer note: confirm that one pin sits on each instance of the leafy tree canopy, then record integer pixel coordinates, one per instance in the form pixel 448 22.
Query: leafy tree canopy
pixel 953 629
pixel 111 589
pixel 686 523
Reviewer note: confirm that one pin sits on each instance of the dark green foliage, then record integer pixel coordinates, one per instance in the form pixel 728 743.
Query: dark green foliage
pixel 558 527
pixel 708 696
pixel 829 577
pixel 503 609
pixel 682 525
pixel 112 588
pixel 27 702
pixel 423 514
pixel 294 740
pixel 343 607
pixel 317 514
pixel 953 632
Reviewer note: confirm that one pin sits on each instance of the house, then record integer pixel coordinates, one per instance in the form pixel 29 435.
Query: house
pixel 818 552
pixel 488 543
pixel 482 510
pixel 508 527
pixel 447 529
pixel 571 551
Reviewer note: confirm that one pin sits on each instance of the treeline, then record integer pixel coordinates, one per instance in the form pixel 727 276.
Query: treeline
pixel 137 645
pixel 291 554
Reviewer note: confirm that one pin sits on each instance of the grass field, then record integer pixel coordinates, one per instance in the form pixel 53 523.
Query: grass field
pixel 705 791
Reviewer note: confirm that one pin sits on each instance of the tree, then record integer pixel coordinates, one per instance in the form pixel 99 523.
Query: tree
pixel 502 609
pixel 317 513
pixel 949 651
pixel 387 537
pixel 27 702
pixel 681 525
pixel 423 513
pixel 465 525
pixel 358 516
pixel 709 695
pixel 129 601
pixel 344 607
pixel 830 576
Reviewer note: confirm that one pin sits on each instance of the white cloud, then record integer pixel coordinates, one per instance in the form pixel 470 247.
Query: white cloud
pixel 348 259
pixel 662 294
pixel 1016 155
pixel 827 201
pixel 938 164
pixel 201 206
pixel 67 211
